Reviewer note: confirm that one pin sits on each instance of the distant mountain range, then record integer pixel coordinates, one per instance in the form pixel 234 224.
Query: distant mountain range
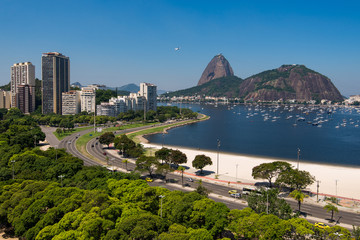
pixel 287 82
pixel 133 88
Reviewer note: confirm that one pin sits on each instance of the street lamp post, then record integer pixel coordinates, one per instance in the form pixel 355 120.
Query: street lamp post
pixel 35 140
pixel 317 190
pixel 13 169
pixel 161 200
pixel 336 181
pixel 61 178
pixel 56 146
pixel 237 172
pixel 163 135
pixel 298 158
pixel 122 149
pixel 112 160
pixel 267 203
pixel 218 148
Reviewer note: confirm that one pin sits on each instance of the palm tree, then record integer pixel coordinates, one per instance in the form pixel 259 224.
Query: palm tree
pixel 182 169
pixel 298 196
pixel 126 162
pixel 329 207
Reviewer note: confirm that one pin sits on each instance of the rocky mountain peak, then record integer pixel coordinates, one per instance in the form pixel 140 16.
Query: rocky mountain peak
pixel 218 67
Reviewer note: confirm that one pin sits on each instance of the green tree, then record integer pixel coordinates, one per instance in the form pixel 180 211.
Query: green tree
pixel 126 161
pixel 295 179
pixel 298 196
pixel 107 138
pixel 177 157
pixel 201 189
pixel 163 154
pixel 59 131
pixel 164 169
pixel 268 201
pixel 331 208
pixel 270 171
pixel 146 164
pixel 201 161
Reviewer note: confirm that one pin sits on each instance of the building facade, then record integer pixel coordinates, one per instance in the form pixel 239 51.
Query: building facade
pixel 24 99
pixel 7 99
pixel 71 103
pixel 144 100
pixel 87 97
pixel 23 74
pixel 148 91
pixel 55 81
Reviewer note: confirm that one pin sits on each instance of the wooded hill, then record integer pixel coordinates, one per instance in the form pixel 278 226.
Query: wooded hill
pixel 284 83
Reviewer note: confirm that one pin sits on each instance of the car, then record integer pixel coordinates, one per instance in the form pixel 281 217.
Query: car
pixel 92 145
pixel 321 225
pixel 233 191
pixel 148 179
pixel 96 143
pixel 104 153
pixel 190 180
pixel 236 195
pixel 69 142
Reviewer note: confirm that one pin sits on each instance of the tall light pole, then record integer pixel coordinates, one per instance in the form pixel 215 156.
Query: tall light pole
pixel 336 181
pixel 298 158
pixel 317 190
pixel 56 146
pixel 112 160
pixel 61 178
pixel 267 203
pixel 13 169
pixel 218 148
pixel 122 149
pixel 163 135
pixel 35 140
pixel 161 200
pixel 94 122
pixel 236 172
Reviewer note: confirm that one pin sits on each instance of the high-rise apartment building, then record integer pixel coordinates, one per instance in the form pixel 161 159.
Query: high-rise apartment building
pixel 2 98
pixel 7 98
pixel 24 99
pixel 55 81
pixel 148 91
pixel 70 102
pixel 87 97
pixel 23 74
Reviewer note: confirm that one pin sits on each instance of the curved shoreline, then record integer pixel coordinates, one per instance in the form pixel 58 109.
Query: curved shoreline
pixel 327 174
pixel 142 137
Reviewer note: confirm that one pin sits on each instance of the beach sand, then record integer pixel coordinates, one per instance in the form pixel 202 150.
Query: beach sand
pixel 334 180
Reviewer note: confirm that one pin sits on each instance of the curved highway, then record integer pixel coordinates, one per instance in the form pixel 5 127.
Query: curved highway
pixel 219 192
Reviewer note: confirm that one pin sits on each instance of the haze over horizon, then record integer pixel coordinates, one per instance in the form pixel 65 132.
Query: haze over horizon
pixel 120 42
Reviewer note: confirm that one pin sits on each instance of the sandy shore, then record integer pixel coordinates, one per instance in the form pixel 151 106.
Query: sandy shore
pixel 334 180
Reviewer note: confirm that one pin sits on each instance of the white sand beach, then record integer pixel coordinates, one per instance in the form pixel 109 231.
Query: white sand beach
pixel 340 179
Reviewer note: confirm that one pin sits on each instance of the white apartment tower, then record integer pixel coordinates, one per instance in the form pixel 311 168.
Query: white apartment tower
pixel 23 74
pixel 70 102
pixel 87 98
pixel 148 91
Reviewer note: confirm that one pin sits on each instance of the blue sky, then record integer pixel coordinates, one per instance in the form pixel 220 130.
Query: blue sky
pixel 121 42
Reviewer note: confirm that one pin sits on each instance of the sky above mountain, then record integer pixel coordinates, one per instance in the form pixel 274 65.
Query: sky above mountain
pixel 121 42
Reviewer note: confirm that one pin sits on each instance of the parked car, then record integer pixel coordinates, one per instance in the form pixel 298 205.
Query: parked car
pixel 321 225
pixel 148 179
pixel 236 195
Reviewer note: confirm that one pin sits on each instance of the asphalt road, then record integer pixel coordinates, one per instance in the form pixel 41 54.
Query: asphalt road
pixel 95 149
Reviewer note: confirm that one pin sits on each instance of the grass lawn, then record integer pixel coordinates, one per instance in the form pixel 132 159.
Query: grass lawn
pixel 63 135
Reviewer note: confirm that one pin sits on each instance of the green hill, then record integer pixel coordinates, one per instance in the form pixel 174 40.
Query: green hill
pixel 220 87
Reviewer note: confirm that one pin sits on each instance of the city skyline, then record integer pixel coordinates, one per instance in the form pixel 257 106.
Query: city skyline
pixel 117 43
